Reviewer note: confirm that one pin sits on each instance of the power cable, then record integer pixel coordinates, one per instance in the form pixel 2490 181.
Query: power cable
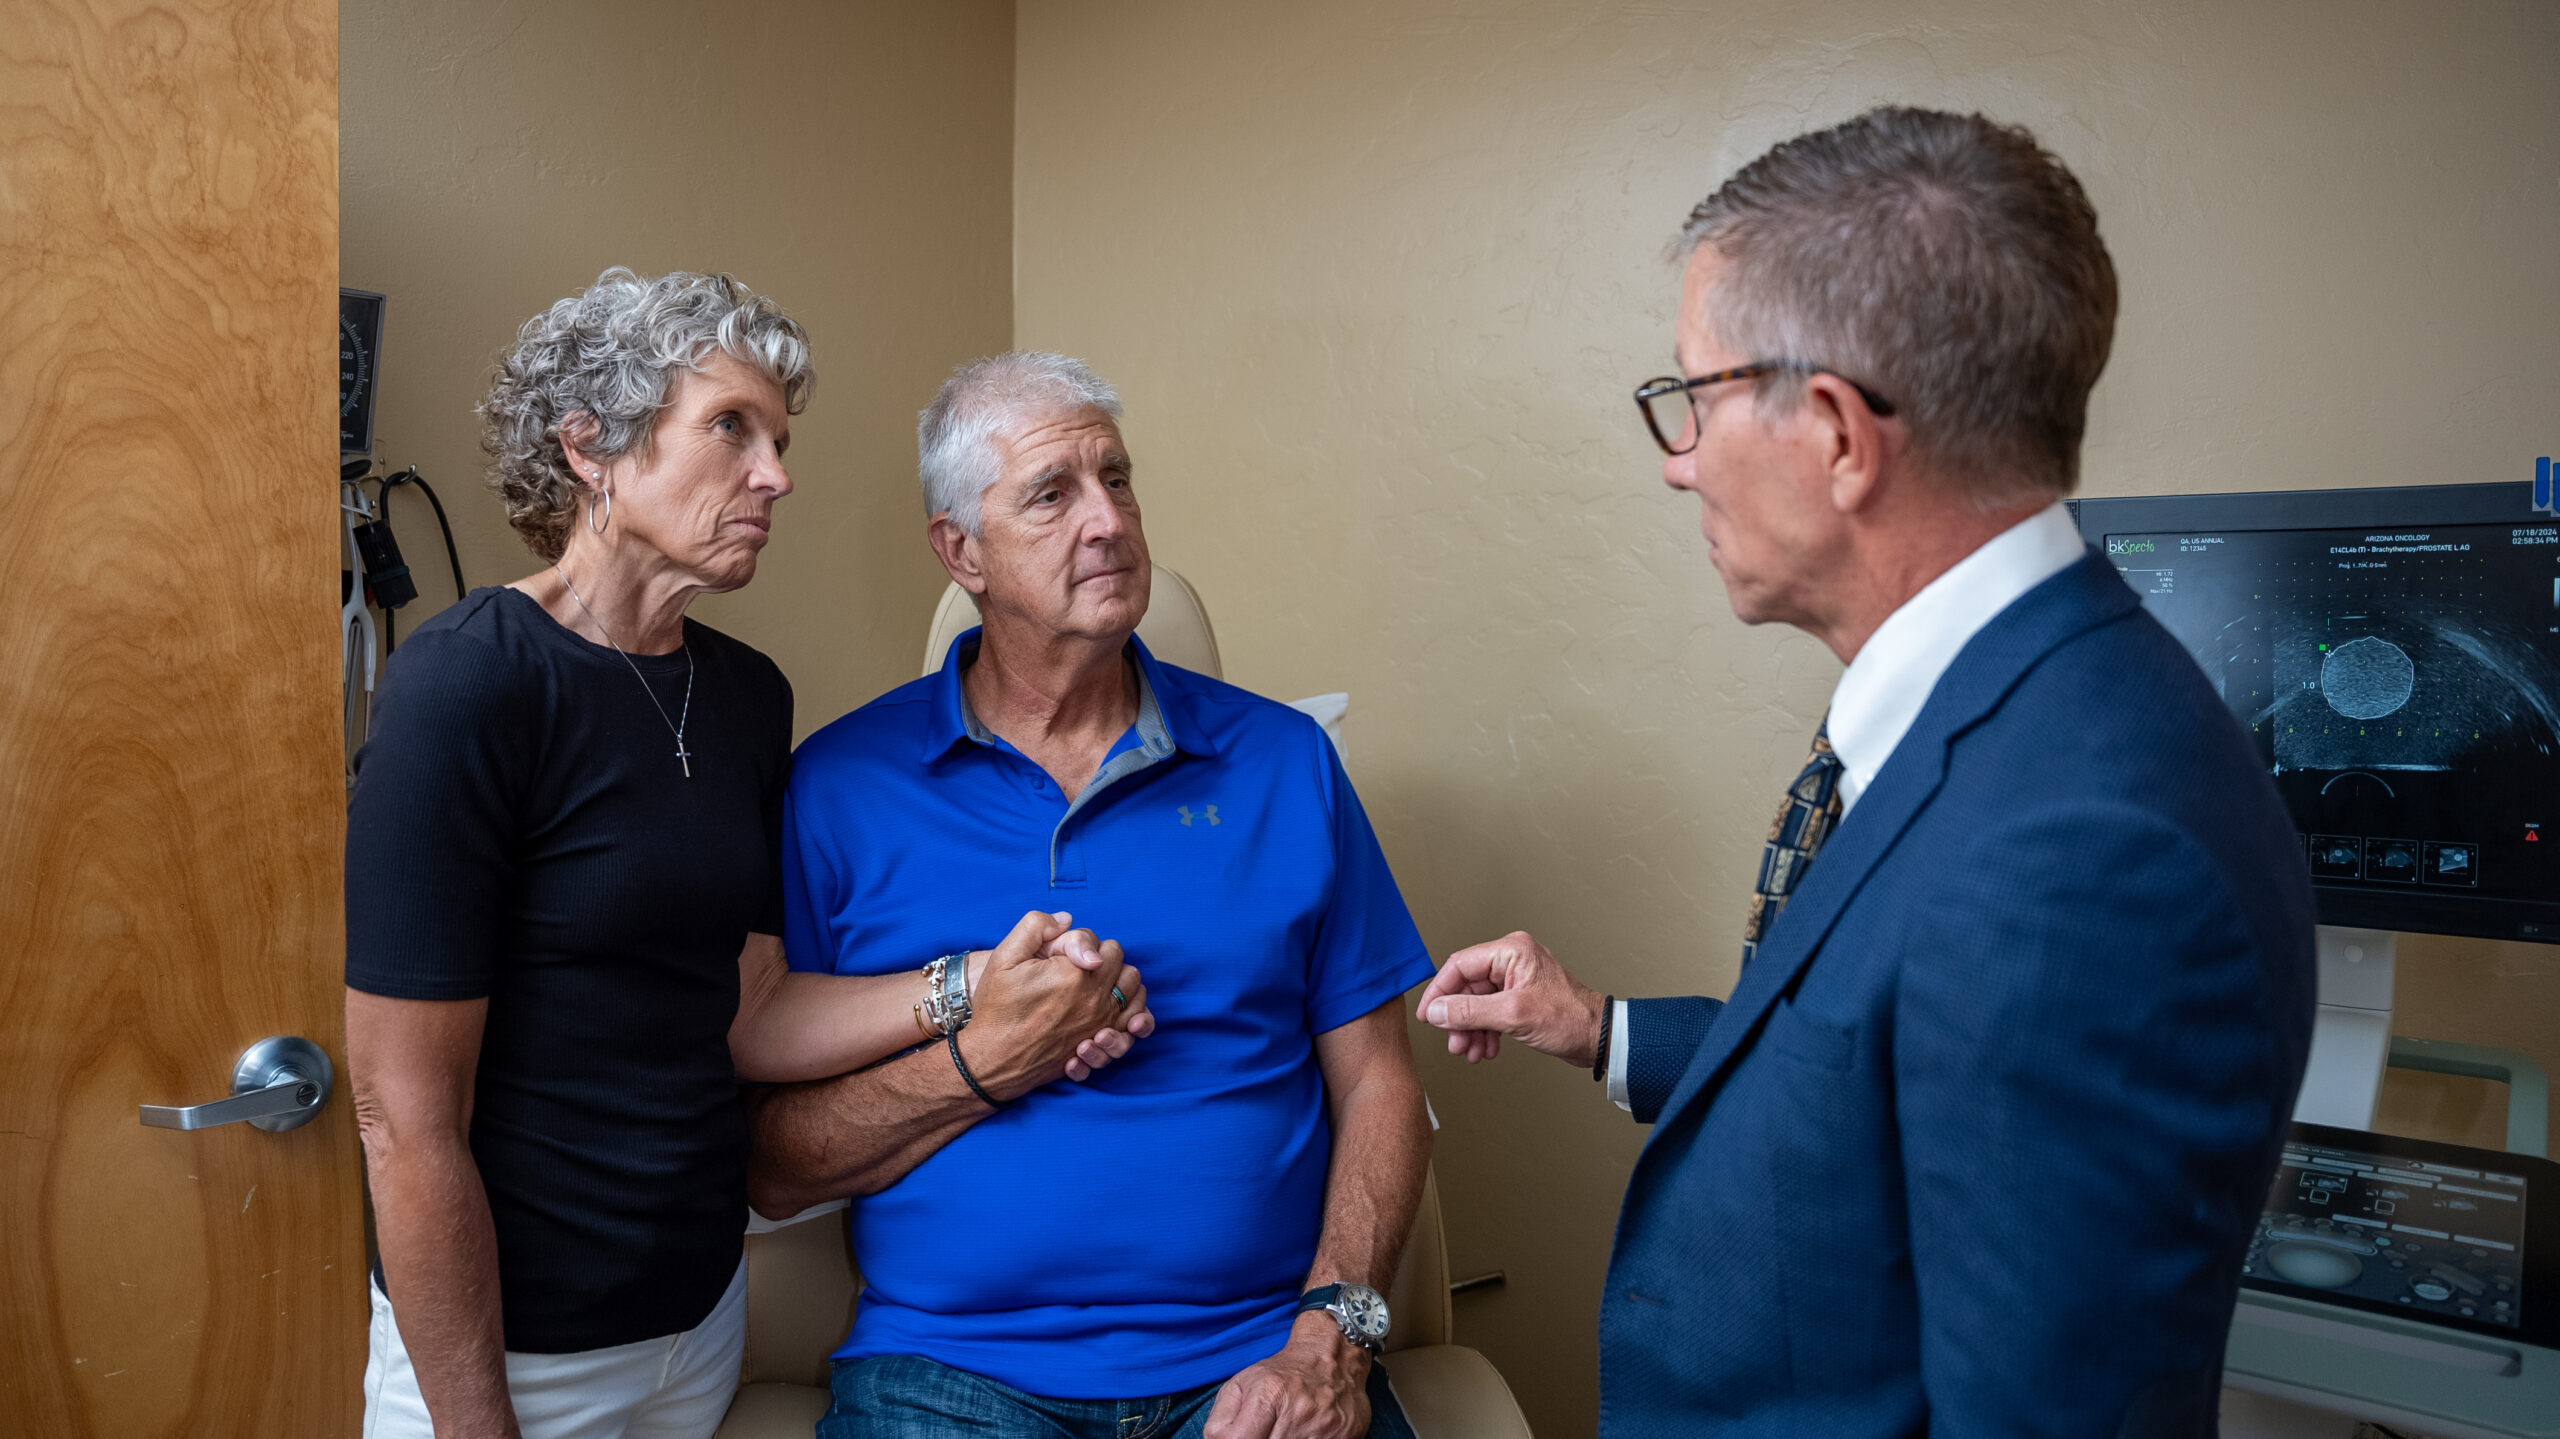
pixel 410 476
pixel 452 554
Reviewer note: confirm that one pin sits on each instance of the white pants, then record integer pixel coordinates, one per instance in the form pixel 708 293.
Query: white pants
pixel 672 1388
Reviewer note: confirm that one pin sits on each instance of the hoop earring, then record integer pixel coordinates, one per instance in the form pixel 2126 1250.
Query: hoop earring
pixel 593 527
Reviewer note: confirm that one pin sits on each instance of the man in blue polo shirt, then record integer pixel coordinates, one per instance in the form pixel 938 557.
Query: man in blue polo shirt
pixel 1192 1241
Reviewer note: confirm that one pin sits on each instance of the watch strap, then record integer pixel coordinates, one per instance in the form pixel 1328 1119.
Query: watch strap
pixel 1317 1298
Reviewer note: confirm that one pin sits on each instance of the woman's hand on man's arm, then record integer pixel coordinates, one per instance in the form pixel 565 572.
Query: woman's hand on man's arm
pixel 808 1026
pixel 1033 1019
pixel 411 1063
pixel 801 1026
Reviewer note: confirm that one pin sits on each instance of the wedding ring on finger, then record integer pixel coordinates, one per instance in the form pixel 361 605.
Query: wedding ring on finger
pixel 1119 999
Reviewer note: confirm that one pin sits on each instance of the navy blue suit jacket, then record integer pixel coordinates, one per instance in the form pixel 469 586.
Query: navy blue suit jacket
pixel 1976 1145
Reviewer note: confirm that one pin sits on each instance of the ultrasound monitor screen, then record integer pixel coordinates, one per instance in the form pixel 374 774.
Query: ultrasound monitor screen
pixel 2402 684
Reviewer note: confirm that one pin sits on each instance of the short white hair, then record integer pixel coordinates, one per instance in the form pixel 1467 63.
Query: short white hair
pixel 956 456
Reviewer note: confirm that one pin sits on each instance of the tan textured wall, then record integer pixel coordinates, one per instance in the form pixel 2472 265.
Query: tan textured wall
pixel 1377 278
pixel 853 160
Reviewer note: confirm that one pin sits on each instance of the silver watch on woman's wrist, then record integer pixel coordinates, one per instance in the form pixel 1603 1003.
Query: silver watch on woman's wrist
pixel 1360 1311
pixel 946 1000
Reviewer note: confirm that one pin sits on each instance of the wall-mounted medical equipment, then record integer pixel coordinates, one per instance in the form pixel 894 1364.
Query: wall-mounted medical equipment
pixel 374 575
pixel 359 352
pixel 386 575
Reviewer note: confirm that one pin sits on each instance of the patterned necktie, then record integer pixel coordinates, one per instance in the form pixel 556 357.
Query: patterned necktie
pixel 1805 819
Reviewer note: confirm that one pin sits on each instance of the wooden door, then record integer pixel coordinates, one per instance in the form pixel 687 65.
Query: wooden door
pixel 171 807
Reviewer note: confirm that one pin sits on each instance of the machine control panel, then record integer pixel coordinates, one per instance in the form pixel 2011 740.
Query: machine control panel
pixel 2434 1232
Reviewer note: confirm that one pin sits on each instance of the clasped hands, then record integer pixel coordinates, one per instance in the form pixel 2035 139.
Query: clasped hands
pixel 1032 1018
pixel 1513 986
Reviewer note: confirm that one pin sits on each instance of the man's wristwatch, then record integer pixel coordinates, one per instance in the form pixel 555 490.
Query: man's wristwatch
pixel 1359 1309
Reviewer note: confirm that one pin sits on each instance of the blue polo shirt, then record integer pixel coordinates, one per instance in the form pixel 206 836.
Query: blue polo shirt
pixel 1148 1231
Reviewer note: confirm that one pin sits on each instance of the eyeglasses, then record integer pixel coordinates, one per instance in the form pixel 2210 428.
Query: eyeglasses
pixel 1670 403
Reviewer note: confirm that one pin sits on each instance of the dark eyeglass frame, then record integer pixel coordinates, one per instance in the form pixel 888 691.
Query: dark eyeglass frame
pixel 1655 389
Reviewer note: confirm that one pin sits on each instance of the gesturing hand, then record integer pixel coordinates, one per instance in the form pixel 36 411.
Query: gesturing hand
pixel 1513 986
pixel 1316 1388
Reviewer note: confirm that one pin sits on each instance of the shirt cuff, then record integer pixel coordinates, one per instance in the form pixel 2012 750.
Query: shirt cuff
pixel 1618 1056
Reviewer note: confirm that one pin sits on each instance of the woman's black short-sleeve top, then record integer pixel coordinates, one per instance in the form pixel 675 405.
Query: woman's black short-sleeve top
pixel 522 831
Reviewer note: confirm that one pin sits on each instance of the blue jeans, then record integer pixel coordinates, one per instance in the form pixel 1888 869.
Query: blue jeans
pixel 899 1396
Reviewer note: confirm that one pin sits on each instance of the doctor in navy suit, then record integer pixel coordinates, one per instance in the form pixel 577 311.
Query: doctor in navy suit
pixel 1977 1142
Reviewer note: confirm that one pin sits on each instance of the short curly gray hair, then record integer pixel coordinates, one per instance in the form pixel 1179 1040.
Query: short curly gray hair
pixel 956 456
pixel 602 364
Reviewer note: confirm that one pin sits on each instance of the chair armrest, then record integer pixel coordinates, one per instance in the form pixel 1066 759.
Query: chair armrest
pixel 1450 1392
pixel 758 1224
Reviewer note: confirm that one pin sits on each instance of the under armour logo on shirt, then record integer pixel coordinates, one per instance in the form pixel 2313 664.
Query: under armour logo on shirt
pixel 1210 813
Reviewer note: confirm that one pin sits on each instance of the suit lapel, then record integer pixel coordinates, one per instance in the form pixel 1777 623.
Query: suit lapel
pixel 2079 599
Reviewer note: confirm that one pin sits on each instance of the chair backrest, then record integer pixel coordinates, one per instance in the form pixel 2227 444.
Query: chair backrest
pixel 1176 627
pixel 801 1285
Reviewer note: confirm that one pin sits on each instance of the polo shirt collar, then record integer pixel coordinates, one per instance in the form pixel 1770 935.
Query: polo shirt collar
pixel 1165 724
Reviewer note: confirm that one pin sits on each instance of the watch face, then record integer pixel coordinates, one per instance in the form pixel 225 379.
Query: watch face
pixel 1365 1308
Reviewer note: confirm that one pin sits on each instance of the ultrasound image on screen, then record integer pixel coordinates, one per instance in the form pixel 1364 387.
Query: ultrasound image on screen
pixel 2403 687
pixel 2431 1240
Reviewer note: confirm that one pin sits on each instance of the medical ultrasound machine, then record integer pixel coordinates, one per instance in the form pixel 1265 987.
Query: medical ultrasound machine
pixel 2395 653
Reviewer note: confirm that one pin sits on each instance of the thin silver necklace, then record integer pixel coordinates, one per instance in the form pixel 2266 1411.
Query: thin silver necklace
pixel 674 726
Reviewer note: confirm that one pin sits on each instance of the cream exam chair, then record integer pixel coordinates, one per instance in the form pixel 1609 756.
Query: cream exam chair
pixel 801 1279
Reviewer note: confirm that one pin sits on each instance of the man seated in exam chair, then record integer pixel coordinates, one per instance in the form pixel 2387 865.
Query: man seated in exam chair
pixel 1192 1240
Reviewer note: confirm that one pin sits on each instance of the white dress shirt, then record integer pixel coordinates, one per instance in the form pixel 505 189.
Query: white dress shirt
pixel 1894 673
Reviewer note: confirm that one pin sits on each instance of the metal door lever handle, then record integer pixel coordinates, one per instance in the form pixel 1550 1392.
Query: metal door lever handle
pixel 280 1083
pixel 293 1093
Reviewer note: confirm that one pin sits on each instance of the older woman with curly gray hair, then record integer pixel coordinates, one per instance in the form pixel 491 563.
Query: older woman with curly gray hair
pixel 564 895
